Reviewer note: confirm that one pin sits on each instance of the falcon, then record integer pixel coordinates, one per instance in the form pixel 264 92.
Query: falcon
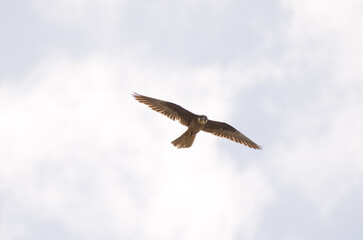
pixel 195 123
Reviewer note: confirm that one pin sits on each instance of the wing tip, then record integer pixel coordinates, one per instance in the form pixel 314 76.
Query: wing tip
pixel 258 147
pixel 134 94
pixel 138 97
pixel 254 146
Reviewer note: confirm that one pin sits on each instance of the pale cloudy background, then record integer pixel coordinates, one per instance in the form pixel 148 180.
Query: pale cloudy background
pixel 80 159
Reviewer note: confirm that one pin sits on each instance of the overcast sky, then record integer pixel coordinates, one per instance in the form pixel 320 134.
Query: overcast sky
pixel 81 159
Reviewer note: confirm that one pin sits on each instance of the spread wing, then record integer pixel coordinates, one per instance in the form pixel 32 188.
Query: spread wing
pixel 225 130
pixel 171 110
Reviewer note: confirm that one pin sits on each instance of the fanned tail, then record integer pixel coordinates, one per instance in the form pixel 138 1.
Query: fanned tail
pixel 185 140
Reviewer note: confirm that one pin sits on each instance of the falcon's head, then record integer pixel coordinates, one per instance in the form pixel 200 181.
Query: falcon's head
pixel 202 119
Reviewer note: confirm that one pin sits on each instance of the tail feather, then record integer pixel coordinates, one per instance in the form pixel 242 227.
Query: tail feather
pixel 185 140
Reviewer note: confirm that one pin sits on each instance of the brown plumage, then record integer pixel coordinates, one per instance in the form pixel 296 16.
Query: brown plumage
pixel 195 123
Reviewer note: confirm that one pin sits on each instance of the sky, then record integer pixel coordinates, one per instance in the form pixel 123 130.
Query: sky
pixel 81 159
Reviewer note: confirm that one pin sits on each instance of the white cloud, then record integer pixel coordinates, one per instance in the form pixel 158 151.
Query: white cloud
pixel 80 157
pixel 321 153
pixel 79 12
pixel 77 148
pixel 321 17
pixel 334 26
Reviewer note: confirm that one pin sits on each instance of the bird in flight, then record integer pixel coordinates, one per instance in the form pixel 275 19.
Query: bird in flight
pixel 195 123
